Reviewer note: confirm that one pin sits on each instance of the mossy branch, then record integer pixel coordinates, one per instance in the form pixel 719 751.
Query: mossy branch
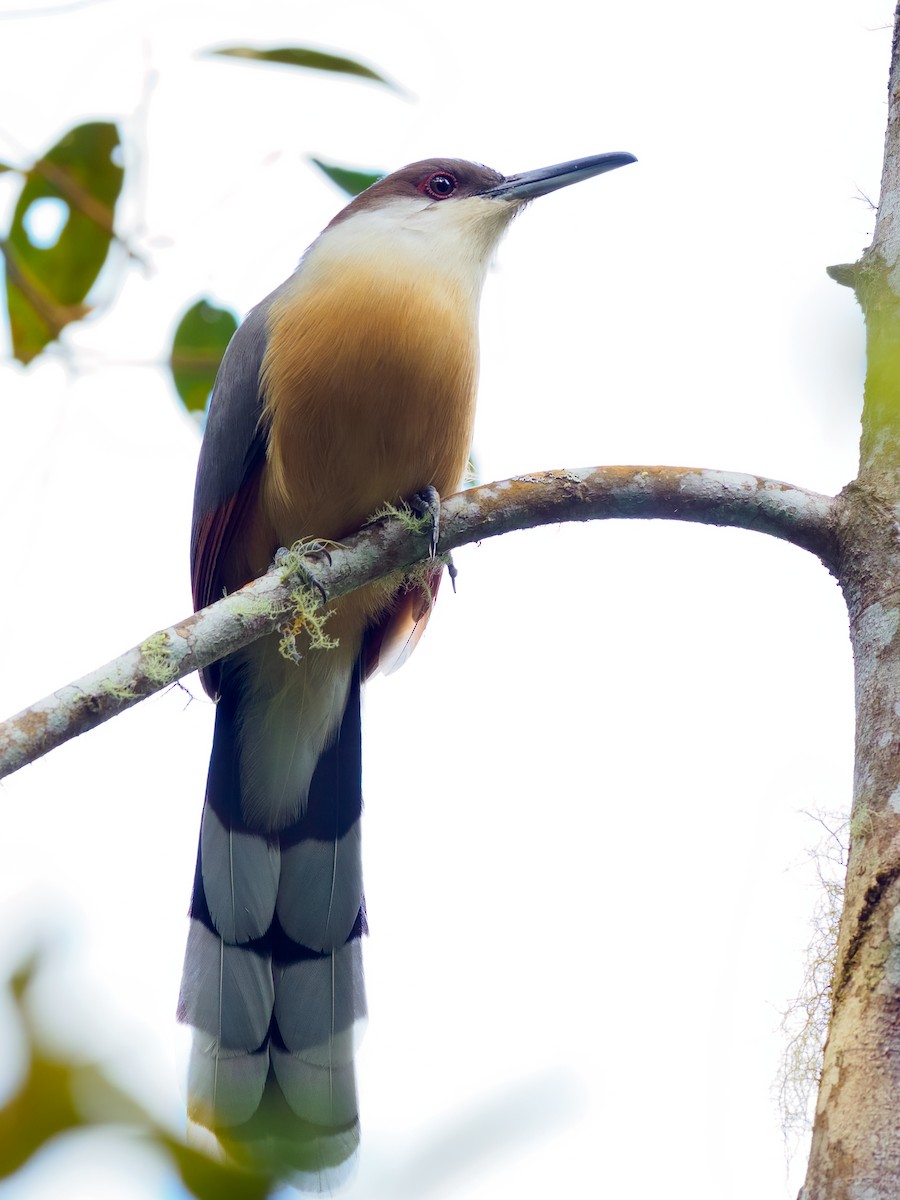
pixel 389 545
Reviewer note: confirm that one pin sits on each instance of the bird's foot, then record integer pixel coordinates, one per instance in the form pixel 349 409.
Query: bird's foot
pixel 427 506
pixel 304 628
pixel 294 562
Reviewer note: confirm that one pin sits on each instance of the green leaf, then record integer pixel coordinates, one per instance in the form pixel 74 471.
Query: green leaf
pixel 5 167
pixel 351 182
pixel 209 1179
pixel 312 60
pixel 58 1095
pixel 197 348
pixel 47 284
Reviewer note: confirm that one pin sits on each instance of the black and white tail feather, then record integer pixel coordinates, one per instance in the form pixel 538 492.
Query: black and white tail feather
pixel 273 982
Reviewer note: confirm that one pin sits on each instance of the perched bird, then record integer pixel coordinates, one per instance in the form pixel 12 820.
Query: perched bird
pixel 351 385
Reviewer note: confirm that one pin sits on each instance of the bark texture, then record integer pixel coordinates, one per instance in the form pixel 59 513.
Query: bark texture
pixel 855 1151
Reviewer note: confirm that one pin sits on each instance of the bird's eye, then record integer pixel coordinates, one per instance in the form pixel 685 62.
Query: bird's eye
pixel 439 186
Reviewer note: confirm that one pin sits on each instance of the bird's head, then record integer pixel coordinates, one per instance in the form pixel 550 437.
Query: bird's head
pixel 443 214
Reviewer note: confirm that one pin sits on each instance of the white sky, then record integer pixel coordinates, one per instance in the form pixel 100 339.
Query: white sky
pixel 587 795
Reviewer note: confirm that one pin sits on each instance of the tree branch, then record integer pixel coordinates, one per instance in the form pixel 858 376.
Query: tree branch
pixel 387 546
pixel 876 281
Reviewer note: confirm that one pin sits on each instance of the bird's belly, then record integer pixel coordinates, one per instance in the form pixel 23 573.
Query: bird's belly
pixel 371 402
pixel 368 403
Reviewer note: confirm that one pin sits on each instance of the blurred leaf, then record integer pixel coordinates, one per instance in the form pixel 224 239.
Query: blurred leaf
pixel 5 167
pixel 209 1179
pixel 313 60
pixel 58 1096
pixel 351 182
pixel 200 341
pixel 41 1109
pixel 22 975
pixel 46 285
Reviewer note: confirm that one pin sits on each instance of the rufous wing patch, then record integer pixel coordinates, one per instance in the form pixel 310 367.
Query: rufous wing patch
pixel 390 643
pixel 217 535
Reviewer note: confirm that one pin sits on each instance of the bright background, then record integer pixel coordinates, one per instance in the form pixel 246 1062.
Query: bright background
pixel 589 795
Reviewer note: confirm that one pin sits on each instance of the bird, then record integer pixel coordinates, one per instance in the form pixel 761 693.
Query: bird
pixel 350 387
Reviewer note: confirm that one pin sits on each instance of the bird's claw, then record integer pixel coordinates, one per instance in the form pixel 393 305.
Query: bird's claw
pixel 427 504
pixel 291 561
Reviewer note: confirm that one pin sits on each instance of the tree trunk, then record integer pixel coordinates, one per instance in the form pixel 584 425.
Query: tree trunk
pixel 855 1151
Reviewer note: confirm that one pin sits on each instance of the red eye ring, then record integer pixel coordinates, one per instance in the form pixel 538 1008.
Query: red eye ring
pixel 439 185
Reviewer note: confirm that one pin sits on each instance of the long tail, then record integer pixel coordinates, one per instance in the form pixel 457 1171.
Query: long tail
pixel 273 982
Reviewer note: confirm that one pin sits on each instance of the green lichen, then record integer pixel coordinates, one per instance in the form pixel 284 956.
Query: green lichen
pixel 305 628
pixel 122 693
pixel 409 519
pixel 306 625
pixel 861 823
pixel 421 574
pixel 156 659
pixel 258 606
pixel 294 562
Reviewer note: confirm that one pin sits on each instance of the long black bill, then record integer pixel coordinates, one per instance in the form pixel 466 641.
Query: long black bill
pixel 547 179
